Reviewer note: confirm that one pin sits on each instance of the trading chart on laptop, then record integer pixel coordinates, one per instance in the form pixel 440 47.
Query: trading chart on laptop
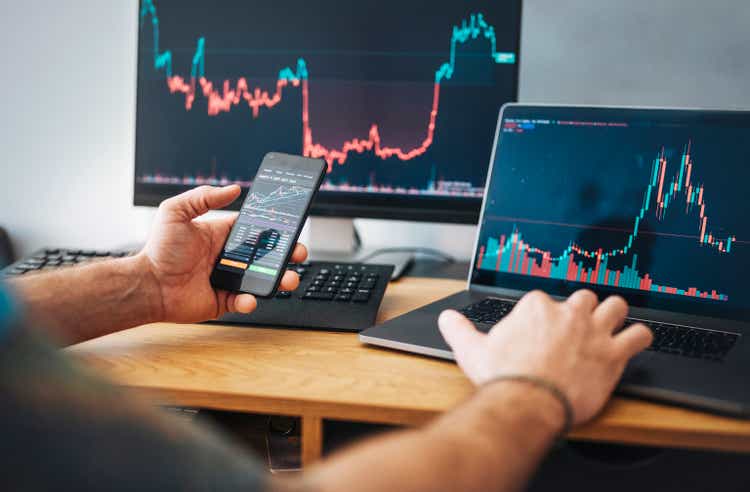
pixel 622 200
pixel 398 97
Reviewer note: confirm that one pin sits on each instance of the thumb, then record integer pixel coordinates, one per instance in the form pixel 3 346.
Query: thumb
pixel 460 334
pixel 196 202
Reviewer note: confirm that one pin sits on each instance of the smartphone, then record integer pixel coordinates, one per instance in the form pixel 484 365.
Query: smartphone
pixel 258 248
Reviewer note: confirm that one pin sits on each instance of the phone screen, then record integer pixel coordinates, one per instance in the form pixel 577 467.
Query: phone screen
pixel 259 245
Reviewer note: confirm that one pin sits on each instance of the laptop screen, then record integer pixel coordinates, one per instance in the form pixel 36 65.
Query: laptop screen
pixel 645 203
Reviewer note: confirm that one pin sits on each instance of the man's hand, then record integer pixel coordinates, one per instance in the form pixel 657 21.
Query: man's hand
pixel 574 344
pixel 181 252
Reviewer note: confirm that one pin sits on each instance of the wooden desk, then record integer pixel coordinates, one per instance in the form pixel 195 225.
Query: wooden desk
pixel 322 375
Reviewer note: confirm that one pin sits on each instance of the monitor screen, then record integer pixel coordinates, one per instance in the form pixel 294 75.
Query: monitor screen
pixel 399 97
pixel 645 203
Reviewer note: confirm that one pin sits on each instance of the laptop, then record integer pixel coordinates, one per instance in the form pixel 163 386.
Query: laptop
pixel 651 204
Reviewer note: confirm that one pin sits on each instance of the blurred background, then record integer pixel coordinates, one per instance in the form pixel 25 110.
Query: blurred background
pixel 68 86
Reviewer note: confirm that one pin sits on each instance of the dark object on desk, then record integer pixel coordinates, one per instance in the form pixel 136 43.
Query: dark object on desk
pixel 331 296
pixel 6 249
pixel 458 270
pixel 49 258
pixel 404 258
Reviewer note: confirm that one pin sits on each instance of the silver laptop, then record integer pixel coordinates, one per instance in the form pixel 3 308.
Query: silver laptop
pixel 650 204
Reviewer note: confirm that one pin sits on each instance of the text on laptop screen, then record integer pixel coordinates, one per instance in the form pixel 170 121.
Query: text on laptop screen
pixel 650 204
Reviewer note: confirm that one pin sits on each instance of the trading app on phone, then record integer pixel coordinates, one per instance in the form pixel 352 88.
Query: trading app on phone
pixel 267 225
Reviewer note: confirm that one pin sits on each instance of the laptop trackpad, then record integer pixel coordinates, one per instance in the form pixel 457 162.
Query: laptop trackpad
pixel 638 370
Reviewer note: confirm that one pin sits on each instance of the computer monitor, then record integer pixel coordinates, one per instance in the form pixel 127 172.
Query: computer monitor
pixel 399 97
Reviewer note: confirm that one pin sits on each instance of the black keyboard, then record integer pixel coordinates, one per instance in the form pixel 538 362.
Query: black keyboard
pixel 686 341
pixel 50 258
pixel 331 296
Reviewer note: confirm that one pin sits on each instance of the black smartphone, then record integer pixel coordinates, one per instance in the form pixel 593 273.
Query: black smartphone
pixel 258 248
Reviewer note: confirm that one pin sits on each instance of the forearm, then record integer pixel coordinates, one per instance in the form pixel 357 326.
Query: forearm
pixel 493 442
pixel 80 303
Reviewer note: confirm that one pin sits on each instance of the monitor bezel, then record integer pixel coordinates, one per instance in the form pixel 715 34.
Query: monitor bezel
pixel 503 282
pixel 460 210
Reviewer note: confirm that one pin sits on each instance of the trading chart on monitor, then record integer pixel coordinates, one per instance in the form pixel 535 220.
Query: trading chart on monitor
pixel 633 201
pixel 398 97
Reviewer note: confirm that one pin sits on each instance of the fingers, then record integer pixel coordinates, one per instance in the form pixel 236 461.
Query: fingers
pixel 198 201
pixel 290 281
pixel 610 313
pixel 584 300
pixel 243 303
pixel 632 340
pixel 228 221
pixel 459 333
pixel 300 253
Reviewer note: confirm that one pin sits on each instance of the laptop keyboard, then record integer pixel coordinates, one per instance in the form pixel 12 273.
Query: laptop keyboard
pixel 669 338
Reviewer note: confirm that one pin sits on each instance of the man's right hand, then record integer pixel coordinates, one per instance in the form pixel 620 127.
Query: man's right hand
pixel 573 344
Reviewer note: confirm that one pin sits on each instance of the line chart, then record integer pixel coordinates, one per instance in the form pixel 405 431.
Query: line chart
pixel 225 96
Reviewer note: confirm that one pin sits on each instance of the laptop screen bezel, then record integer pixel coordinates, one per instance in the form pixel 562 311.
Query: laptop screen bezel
pixel 515 285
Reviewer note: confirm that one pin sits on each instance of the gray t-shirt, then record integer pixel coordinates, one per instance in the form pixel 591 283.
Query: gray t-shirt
pixel 63 429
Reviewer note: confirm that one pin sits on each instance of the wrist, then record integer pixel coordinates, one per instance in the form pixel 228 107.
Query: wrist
pixel 526 402
pixel 148 287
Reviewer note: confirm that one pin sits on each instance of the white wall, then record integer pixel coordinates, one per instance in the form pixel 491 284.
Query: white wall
pixel 68 88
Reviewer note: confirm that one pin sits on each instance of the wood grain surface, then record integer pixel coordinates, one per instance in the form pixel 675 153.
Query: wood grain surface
pixel 319 375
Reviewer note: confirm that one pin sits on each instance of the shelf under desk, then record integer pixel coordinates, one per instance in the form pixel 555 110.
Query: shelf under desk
pixel 320 375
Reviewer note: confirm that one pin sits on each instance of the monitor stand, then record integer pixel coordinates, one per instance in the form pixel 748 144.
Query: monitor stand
pixel 336 239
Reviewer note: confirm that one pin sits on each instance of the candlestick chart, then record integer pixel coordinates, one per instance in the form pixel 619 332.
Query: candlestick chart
pixel 603 204
pixel 396 97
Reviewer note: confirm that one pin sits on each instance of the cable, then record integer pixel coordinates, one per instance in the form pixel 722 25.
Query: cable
pixel 445 257
pixel 357 238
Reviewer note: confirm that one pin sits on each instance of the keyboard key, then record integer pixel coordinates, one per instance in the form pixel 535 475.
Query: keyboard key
pixel 488 311
pixel 343 297
pixel 283 294
pixel 320 296
pixel 690 341
pixel 313 288
pixel 360 297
